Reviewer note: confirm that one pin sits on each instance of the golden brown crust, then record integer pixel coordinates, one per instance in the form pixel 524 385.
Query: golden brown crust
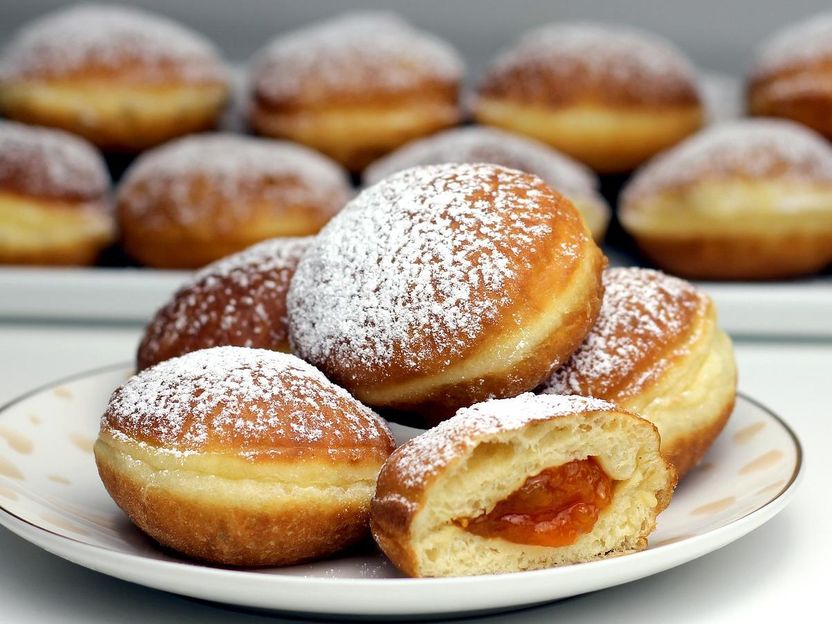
pixel 573 64
pixel 355 133
pixel 801 93
pixel 230 535
pixel 79 253
pixel 241 401
pixel 686 451
pixel 442 351
pixel 737 256
pixel 239 301
pixel 204 197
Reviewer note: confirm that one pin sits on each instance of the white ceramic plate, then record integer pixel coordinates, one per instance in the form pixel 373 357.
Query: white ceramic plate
pixel 50 495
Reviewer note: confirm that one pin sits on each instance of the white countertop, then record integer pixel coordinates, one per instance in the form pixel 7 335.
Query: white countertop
pixel 775 573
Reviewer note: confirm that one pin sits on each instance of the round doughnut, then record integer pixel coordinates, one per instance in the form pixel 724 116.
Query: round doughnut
pixel 355 87
pixel 241 457
pixel 657 351
pixel 748 199
pixel 609 96
pixel 792 75
pixel 238 301
pixel 54 204
pixel 445 285
pixel 203 197
pixel 520 484
pixel 481 144
pixel 118 76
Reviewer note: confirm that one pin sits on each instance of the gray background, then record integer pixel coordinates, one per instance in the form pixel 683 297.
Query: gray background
pixel 719 35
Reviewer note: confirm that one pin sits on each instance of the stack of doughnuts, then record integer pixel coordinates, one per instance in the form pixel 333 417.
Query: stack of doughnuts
pixel 355 87
pixel 608 96
pixel 54 204
pixel 118 76
pixel 198 199
pixel 432 295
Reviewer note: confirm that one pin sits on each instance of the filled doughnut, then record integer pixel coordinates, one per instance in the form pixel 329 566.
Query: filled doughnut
pixel 198 199
pixel 355 87
pixel 656 350
pixel 118 76
pixel 237 301
pixel 748 199
pixel 491 145
pixel 792 75
pixel 241 457
pixel 609 96
pixel 520 484
pixel 445 285
pixel 54 204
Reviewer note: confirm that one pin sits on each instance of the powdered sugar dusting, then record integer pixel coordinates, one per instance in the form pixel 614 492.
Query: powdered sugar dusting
pixel 416 267
pixel 352 54
pixel 489 145
pixel 235 166
pixel 110 36
pixel 806 42
pixel 425 455
pixel 239 300
pixel 594 53
pixel 249 402
pixel 643 312
pixel 50 163
pixel 748 148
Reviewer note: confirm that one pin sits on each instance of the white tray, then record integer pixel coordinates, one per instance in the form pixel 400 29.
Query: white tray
pixel 788 309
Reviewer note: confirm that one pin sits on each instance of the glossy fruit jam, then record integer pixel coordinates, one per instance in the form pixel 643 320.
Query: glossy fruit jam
pixel 552 508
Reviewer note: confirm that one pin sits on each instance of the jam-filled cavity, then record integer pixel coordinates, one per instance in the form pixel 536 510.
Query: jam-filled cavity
pixel 552 508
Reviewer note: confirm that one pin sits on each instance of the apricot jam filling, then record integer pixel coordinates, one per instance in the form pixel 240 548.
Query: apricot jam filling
pixel 552 508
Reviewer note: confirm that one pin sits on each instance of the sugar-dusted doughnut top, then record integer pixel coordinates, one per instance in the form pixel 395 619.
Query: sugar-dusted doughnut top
pixel 422 458
pixel 251 403
pixel 239 300
pixel 565 63
pixel 118 41
pixel 420 268
pixel 350 57
pixel 475 144
pixel 800 45
pixel 752 149
pixel 50 164
pixel 193 175
pixel 644 316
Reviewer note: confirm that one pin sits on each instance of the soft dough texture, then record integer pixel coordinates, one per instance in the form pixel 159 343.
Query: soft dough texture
pixel 609 96
pixel 242 457
pixel 237 301
pixel 54 204
pixel 466 465
pixel 201 198
pixel 792 75
pixel 747 199
pixel 121 77
pixel 656 350
pixel 355 87
pixel 445 285
pixel 475 144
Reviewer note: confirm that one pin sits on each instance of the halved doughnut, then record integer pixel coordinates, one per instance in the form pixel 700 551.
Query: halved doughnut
pixel 520 484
